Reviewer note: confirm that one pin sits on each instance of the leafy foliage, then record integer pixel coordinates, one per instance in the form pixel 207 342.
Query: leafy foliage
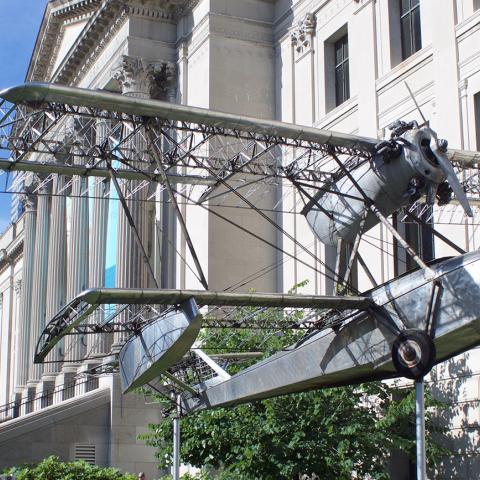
pixel 52 468
pixel 330 432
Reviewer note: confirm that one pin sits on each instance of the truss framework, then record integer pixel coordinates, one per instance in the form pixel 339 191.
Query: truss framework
pixel 199 158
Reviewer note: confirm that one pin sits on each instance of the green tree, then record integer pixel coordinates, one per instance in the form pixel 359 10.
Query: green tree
pixel 52 468
pixel 330 432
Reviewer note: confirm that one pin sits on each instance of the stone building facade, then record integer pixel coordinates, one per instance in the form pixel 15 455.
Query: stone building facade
pixel 335 64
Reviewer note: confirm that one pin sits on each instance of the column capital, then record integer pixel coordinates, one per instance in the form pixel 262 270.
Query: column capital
pixel 139 77
pixel 45 188
pixel 18 286
pixel 29 201
pixel 301 35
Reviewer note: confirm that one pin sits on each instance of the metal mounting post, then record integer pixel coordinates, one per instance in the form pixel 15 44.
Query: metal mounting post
pixel 176 443
pixel 420 429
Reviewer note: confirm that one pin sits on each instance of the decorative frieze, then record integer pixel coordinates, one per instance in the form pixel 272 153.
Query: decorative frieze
pixel 81 7
pixel 167 9
pixel 302 35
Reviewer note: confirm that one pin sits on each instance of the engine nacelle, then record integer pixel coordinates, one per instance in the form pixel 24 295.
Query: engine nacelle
pixel 391 183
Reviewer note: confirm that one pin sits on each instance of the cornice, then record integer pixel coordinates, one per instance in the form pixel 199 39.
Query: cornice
pixel 50 33
pixel 104 24
pixel 75 8
pixel 105 18
pixel 86 51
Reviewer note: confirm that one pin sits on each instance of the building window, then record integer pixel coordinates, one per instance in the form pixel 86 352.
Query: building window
pixel 410 27
pixel 342 77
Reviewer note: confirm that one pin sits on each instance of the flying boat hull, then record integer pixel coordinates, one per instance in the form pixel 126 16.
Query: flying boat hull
pixel 360 350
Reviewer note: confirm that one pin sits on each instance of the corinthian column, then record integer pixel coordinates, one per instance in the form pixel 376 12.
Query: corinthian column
pixel 77 265
pixel 137 78
pixel 57 266
pixel 165 215
pixel 40 263
pixel 29 220
pixel 96 345
pixel 16 396
pixel 24 359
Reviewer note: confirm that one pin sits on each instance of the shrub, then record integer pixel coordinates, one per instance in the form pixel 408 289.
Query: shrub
pixel 52 468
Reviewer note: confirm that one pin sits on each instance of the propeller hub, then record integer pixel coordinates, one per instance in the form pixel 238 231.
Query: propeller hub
pixel 419 152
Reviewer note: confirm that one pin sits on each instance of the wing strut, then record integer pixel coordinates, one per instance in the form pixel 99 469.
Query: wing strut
pixel 370 204
pixel 183 226
pixel 131 222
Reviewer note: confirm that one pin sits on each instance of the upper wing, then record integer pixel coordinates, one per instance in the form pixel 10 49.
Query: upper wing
pixel 464 158
pixel 40 93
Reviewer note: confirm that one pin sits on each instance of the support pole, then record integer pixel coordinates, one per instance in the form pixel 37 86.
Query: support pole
pixel 176 443
pixel 420 429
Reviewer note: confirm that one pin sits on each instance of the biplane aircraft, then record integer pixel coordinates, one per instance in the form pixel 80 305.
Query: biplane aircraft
pixel 348 184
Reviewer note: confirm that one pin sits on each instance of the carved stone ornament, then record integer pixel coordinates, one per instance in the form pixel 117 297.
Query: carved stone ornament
pixel 29 202
pixel 164 81
pixel 18 286
pixel 139 77
pixel 302 35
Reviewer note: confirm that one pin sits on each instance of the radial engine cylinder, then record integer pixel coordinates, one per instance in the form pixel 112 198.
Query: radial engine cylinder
pixel 391 183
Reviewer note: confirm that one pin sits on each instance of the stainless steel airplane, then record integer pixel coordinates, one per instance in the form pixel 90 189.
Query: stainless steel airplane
pixel 349 184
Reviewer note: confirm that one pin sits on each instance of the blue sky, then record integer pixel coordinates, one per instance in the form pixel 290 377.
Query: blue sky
pixel 19 24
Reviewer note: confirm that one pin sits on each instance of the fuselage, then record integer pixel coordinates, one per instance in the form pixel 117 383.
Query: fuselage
pixel 361 349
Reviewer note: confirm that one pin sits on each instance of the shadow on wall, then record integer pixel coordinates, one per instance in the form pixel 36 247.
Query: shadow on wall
pixel 455 384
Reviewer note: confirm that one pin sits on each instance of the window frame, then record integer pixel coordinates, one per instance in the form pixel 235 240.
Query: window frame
pixel 412 15
pixel 342 70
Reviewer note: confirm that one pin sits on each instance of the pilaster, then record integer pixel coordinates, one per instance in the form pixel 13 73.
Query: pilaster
pixel 363 63
pixel 240 81
pixel 445 72
pixel 303 38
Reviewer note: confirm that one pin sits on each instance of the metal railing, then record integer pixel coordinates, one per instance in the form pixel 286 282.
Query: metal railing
pixel 45 399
